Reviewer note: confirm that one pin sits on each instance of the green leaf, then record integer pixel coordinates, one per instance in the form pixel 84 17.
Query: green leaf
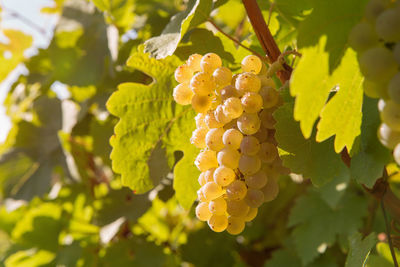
pixel 334 20
pixel 141 130
pixel 341 115
pixel 165 45
pixel 359 249
pixel 317 225
pixel 29 258
pixel 315 161
pixel 368 162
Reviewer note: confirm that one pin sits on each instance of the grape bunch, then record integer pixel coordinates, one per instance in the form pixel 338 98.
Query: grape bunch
pixel 377 42
pixel 238 160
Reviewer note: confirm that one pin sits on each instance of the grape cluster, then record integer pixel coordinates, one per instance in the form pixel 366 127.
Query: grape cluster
pixel 239 160
pixel 377 42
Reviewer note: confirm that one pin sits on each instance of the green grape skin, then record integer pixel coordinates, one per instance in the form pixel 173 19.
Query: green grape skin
pixel 214 139
pixel 218 223
pixel 251 214
pixel 236 190
pixel 249 145
pixel 224 176
pixel 268 152
pixel 377 64
pixel 396 154
pixel 394 89
pixel 257 180
pixel 249 165
pixel 251 64
pixel 183 74
pixel 206 160
pixel 396 53
pixel 218 206
pixel 247 82
pixel 362 37
pixel 388 25
pixel 237 208
pixel 249 123
pixel 194 62
pixel 232 138
pixel 374 8
pixel 266 81
pixel 232 107
pixel 387 136
pixel 198 138
pixel 201 104
pixel 254 198
pixel 229 158
pixel 210 62
pixel 390 115
pixel 375 90
pixel 202 212
pixel 236 225
pixel 212 190
pixel 252 102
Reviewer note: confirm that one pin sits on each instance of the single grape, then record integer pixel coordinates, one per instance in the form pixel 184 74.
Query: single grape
pixel 267 120
pixel 224 176
pixel 248 123
pixel 222 76
pixel 254 198
pixel 201 104
pixel 182 94
pixel 218 223
pixel 396 53
pixel 229 158
pixel 232 138
pixel 390 115
pixel 218 206
pixel 198 138
pixel 252 102
pixel 394 88
pixel 214 139
pixel 206 160
pixel 200 121
pixel 249 165
pixel 268 152
pixel 236 190
pixel 271 189
pixel 237 208
pixel 249 145
pixel 266 81
pixel 212 190
pixel 232 108
pixel 247 82
pixel 252 64
pixel 396 154
pixel 227 92
pixel 362 37
pixel 202 84
pixel 209 175
pixel 262 135
pixel 377 64
pixel 202 212
pixel 388 137
pixel 220 115
pixel 375 90
pixel 183 74
pixel 209 62
pixel 194 62
pixel 235 225
pixel 211 121
pixel 388 25
pixel 270 96
pixel 251 214
pixel 257 180
pixel 202 179
pixel 374 8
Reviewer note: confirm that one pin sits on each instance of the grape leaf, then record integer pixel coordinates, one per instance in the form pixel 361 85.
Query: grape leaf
pixel 165 45
pixel 315 161
pixel 341 115
pixel 359 249
pixel 368 162
pixel 334 20
pixel 317 225
pixel 140 129
pixel 31 257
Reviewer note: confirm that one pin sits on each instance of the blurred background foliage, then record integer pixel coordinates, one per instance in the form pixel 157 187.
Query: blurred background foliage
pixel 62 205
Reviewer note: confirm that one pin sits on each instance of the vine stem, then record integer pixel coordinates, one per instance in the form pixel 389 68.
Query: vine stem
pixel 236 41
pixel 388 234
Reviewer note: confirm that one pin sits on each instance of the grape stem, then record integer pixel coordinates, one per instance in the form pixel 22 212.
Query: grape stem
pixel 236 41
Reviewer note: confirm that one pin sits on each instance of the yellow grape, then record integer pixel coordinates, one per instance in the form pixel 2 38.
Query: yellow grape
pixel 237 208
pixel 206 160
pixel 220 115
pixel 218 223
pixel 211 121
pixel 224 176
pixel 214 139
pixel 201 104
pixel 235 225
pixel 229 157
pixel 236 190
pixel 209 62
pixel 222 76
pixel 232 138
pixel 252 102
pixel 249 165
pixel 218 206
pixel 198 138
pixel 232 108
pixel 194 62
pixel 202 212
pixel 252 64
pixel 250 145
pixel 247 82
pixel 182 94
pixel 212 190
pixel 183 74
pixel 251 214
